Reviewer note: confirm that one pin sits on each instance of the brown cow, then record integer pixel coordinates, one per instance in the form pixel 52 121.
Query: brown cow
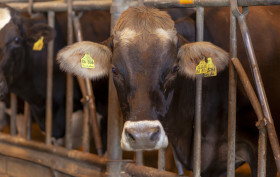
pixel 154 73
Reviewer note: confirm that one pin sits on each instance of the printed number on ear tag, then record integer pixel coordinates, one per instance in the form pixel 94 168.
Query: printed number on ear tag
pixel 87 61
pixel 38 45
pixel 211 68
pixel 201 67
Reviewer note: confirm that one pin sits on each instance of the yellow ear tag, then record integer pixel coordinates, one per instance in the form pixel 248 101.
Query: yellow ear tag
pixel 38 45
pixel 87 61
pixel 201 67
pixel 211 68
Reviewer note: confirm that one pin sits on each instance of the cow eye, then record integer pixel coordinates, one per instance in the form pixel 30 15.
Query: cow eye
pixel 175 69
pixel 114 71
pixel 17 40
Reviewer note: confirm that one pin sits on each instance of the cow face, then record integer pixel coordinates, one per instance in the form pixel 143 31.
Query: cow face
pixel 145 55
pixel 17 36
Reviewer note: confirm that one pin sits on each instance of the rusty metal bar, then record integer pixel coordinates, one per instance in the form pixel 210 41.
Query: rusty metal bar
pixel 139 157
pixel 69 83
pixel 85 99
pixel 258 110
pixel 232 101
pixel 89 94
pixel 260 89
pixel 95 127
pixel 49 82
pixel 60 151
pixel 161 159
pixel 13 128
pixel 198 100
pixel 106 4
pixel 27 117
pixel 143 171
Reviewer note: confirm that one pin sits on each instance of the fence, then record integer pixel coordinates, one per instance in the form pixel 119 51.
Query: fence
pixel 116 166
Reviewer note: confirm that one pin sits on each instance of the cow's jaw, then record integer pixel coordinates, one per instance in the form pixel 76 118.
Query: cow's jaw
pixel 143 135
pixel 5 17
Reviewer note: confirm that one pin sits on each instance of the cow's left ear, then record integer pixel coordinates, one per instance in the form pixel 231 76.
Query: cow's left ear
pixel 37 31
pixel 191 54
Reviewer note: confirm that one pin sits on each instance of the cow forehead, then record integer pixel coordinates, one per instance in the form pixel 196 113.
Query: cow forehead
pixel 5 17
pixel 128 35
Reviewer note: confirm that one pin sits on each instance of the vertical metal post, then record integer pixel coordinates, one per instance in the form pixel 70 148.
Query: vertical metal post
pixel 178 163
pixel 161 159
pixel 232 101
pixel 114 115
pixel 13 127
pixel 69 83
pixel 139 157
pixel 27 117
pixel 260 90
pixel 198 100
pixel 49 83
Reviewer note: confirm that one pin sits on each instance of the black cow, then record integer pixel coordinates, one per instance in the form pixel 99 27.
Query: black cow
pixel 154 73
pixel 25 69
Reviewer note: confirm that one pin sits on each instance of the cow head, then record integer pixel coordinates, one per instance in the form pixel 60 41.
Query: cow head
pixel 145 55
pixel 17 37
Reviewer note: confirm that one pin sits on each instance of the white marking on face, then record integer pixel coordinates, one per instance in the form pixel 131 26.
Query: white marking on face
pixel 166 35
pixel 161 143
pixel 5 17
pixel 125 36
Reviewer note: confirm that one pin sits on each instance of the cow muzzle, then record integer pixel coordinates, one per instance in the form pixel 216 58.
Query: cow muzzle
pixel 143 135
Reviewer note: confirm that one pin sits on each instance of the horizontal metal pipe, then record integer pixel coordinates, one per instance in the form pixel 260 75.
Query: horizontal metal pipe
pixel 60 151
pixel 106 4
pixel 143 171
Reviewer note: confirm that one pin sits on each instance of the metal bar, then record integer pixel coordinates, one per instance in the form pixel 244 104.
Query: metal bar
pixel 69 83
pixel 260 90
pixel 161 159
pixel 114 112
pixel 139 157
pixel 28 125
pixel 90 95
pixel 106 4
pixel 143 171
pixel 198 100
pixel 232 101
pixel 178 163
pixel 13 128
pixel 258 110
pixel 49 82
pixel 95 126
pixel 27 117
pixel 85 138
pixel 60 151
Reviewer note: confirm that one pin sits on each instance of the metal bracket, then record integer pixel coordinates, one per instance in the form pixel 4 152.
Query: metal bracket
pixel 261 123
pixel 235 10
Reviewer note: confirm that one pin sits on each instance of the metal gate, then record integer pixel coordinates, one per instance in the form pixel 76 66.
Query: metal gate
pixel 77 163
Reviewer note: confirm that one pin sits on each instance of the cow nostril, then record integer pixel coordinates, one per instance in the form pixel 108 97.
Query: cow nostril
pixel 130 136
pixel 155 134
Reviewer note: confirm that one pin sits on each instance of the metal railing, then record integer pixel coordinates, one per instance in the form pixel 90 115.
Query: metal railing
pixel 114 167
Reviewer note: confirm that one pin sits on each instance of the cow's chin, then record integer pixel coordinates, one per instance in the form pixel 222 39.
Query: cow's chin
pixel 143 135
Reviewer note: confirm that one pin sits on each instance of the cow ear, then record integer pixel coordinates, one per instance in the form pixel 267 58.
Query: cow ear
pixel 70 58
pixel 39 30
pixel 190 55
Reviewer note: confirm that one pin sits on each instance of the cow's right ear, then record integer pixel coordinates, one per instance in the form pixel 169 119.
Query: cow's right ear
pixel 70 58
